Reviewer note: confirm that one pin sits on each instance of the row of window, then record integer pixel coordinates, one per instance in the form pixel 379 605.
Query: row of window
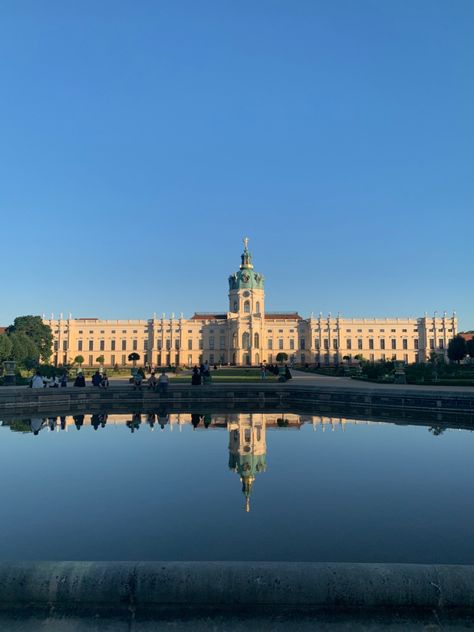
pixel 90 345
pixel 113 360
pixel 113 331
pixel 371 343
pixel 246 344
pixel 167 359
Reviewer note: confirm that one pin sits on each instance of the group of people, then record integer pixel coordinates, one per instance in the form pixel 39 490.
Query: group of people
pixel 275 370
pixel 201 375
pixel 161 383
pixel 99 380
pixel 41 381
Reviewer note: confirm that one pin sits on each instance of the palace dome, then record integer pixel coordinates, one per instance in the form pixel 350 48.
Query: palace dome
pixel 246 277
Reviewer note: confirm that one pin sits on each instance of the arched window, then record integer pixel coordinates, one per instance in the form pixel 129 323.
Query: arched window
pixel 247 307
pixel 257 307
pixel 256 341
pixel 246 340
pixel 236 306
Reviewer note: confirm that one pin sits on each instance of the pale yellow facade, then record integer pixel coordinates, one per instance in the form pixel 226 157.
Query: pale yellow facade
pixel 246 334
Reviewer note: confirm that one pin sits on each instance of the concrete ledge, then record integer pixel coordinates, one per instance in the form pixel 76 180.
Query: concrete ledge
pixel 119 586
pixel 259 395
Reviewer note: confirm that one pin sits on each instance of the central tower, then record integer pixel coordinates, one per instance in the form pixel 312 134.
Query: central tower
pixel 246 287
pixel 246 312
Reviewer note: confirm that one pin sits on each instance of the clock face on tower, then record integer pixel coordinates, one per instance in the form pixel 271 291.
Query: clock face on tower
pixel 246 293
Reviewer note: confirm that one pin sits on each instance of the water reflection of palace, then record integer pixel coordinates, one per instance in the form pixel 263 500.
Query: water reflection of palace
pixel 247 431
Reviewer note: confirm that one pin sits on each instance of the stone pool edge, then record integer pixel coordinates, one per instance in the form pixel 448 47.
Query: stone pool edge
pixel 155 586
pixel 278 396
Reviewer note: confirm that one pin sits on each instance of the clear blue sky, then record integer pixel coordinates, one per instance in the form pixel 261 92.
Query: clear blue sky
pixel 140 141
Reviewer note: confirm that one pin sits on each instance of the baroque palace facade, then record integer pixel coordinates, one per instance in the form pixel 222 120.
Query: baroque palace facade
pixel 248 335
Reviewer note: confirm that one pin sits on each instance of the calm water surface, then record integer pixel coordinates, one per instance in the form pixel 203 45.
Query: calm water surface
pixel 235 487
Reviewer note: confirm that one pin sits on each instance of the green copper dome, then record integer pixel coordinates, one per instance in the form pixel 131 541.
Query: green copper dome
pixel 247 465
pixel 246 277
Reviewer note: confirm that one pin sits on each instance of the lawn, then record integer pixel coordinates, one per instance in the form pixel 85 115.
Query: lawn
pixel 229 375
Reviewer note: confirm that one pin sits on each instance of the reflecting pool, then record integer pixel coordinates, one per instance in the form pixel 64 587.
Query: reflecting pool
pixel 250 486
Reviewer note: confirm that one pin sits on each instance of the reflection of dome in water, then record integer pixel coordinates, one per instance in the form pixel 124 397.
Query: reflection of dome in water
pixel 247 450
pixel 247 466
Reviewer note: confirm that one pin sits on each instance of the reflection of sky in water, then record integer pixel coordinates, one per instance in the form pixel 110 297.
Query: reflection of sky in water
pixel 325 491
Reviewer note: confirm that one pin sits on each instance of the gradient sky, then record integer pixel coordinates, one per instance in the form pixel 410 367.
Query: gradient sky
pixel 140 141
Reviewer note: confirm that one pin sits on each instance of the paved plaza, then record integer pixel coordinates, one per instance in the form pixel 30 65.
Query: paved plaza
pixel 300 378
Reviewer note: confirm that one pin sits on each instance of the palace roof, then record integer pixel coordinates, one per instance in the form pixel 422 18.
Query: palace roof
pixel 282 316
pixel 208 316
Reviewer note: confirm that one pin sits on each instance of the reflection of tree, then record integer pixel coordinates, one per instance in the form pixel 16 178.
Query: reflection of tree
pixel 20 425
pixel 436 430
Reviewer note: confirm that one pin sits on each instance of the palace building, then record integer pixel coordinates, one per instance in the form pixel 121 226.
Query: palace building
pixel 248 334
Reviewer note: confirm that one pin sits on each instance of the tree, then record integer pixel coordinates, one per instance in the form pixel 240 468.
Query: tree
pixel 282 357
pixel 100 360
pixel 5 347
pixel 23 349
pixel 79 360
pixel 457 349
pixel 30 363
pixel 470 347
pixel 134 357
pixel 37 331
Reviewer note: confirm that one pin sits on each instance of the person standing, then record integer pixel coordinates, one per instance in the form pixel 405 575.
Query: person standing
pixel 196 377
pixel 263 371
